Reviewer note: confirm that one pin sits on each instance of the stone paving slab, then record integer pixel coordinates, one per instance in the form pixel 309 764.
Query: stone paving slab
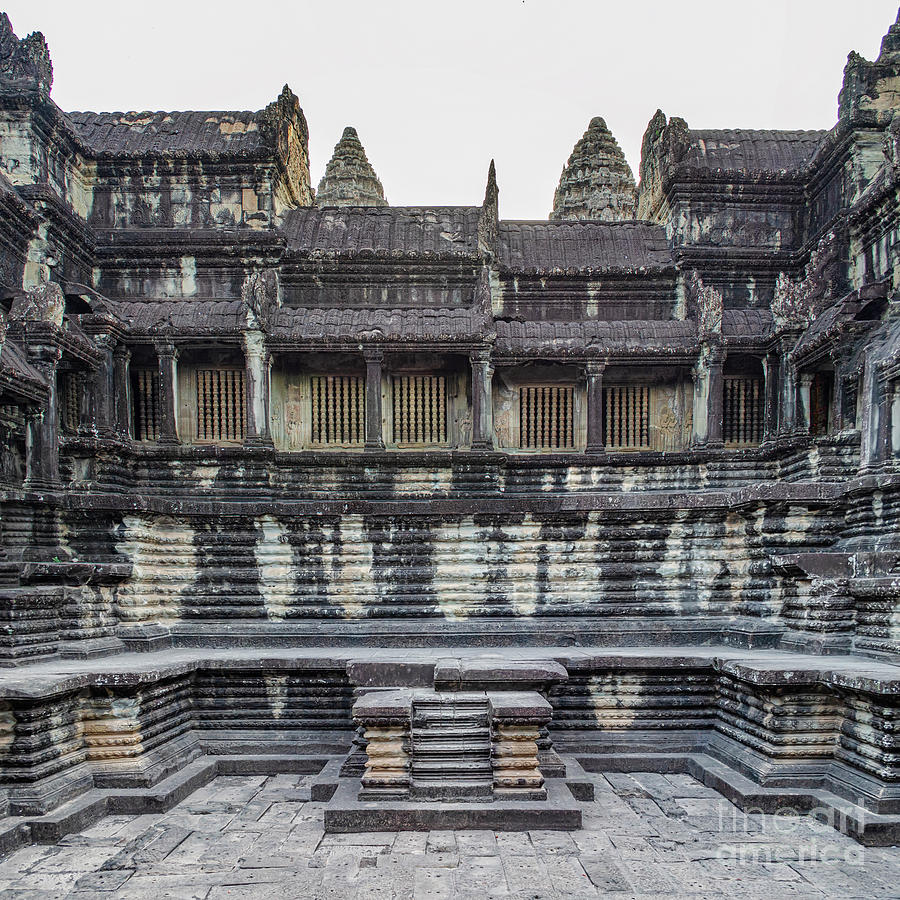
pixel 644 836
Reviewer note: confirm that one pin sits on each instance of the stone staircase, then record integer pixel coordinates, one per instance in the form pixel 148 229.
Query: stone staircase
pixel 451 748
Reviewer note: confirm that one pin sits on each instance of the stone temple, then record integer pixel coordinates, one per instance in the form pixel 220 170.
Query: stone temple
pixel 448 512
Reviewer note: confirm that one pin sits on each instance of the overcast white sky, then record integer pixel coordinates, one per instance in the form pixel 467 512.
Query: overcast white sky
pixel 436 89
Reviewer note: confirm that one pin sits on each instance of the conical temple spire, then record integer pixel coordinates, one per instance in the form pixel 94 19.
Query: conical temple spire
pixel 349 178
pixel 596 183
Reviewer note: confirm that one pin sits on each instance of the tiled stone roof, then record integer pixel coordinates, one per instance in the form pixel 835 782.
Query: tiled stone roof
pixel 229 317
pixel 751 151
pixel 194 133
pixel 373 325
pixel 555 338
pixel 184 316
pixel 746 322
pixel 438 231
pixel 582 247
pixel 15 367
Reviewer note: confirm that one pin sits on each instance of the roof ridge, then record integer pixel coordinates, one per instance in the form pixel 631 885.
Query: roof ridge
pixel 158 112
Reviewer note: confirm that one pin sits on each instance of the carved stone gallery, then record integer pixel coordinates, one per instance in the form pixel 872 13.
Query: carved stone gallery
pixel 445 511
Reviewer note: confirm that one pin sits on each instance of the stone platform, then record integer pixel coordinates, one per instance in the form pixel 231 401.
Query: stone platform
pixel 765 727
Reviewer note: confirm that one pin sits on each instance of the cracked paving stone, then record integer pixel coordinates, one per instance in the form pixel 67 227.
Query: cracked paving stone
pixel 651 848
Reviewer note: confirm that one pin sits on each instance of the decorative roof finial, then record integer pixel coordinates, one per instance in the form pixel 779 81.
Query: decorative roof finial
pixel 489 217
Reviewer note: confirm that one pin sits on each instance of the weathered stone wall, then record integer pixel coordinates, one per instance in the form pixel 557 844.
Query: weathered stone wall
pixel 352 567
pixel 183 193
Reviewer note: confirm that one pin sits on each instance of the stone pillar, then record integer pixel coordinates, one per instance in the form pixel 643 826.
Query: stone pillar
pixel 770 413
pixel 895 418
pixel 698 377
pixel 101 389
pixel 374 437
pixel 884 394
pixel 256 357
pixel 122 391
pixel 715 399
pixel 482 400
pixel 804 401
pixel 596 442
pixel 168 360
pixel 788 398
pixel 42 426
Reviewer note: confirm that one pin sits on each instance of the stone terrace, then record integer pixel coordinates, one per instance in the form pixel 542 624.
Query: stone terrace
pixel 643 836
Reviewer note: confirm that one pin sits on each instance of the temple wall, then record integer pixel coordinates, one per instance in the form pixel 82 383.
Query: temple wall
pixel 31 154
pixel 182 193
pixel 752 222
pixel 453 567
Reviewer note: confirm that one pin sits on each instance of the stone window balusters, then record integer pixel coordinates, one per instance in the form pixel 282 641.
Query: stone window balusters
pixel 743 411
pixel 547 417
pixel 420 409
pixel 627 416
pixel 338 409
pixel 146 398
pixel 221 405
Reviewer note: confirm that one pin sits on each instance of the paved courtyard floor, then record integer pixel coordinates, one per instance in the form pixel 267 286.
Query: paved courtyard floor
pixel 644 836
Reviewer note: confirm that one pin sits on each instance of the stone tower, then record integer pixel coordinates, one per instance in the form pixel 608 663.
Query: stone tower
pixel 596 182
pixel 349 178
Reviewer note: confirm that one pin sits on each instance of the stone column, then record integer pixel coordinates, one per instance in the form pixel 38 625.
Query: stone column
pixel 895 418
pixel 698 378
pixel 770 413
pixel 167 355
pixel 42 426
pixel 804 401
pixel 121 391
pixel 884 394
pixel 715 399
pixel 101 389
pixel 596 442
pixel 482 400
pixel 374 437
pixel 837 398
pixel 788 398
pixel 256 357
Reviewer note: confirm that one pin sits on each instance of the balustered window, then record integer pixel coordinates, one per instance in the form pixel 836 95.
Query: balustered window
pixel 547 417
pixel 338 409
pixel 626 416
pixel 221 405
pixel 145 404
pixel 420 409
pixel 743 411
pixel 69 400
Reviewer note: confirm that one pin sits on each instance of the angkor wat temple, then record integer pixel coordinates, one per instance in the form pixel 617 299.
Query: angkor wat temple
pixel 444 507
